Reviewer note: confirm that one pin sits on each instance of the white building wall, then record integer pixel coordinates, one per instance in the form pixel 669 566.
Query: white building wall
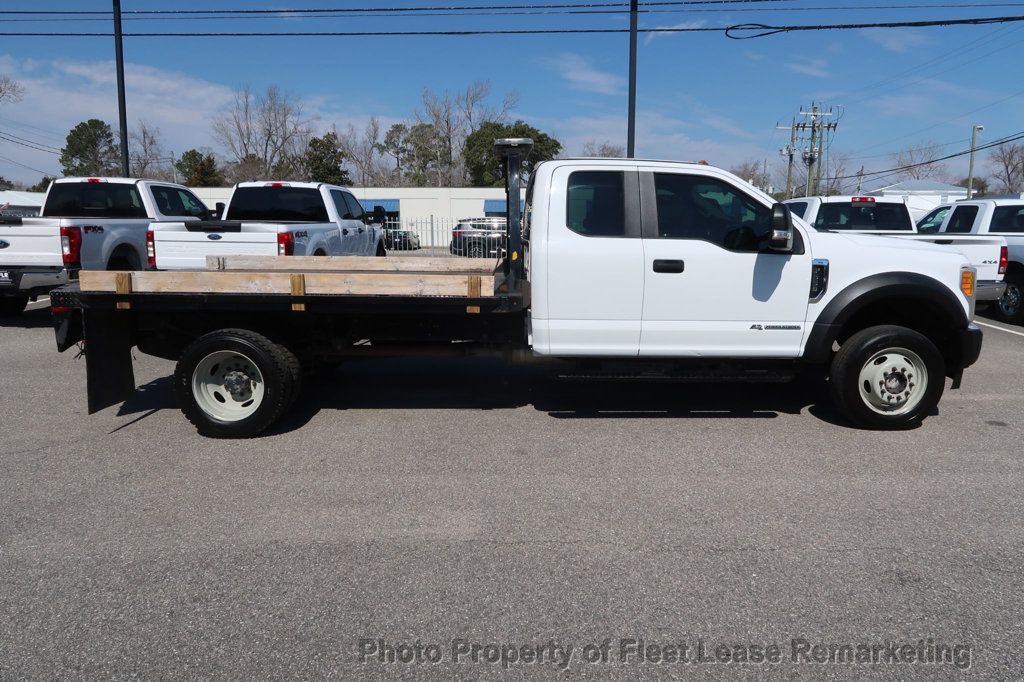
pixel 418 204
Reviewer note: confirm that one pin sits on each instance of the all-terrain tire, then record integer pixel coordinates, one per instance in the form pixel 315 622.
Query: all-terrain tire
pixel 1010 308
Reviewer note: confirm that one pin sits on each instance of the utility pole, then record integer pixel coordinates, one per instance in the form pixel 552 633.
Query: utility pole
pixel 634 9
pixel 789 152
pixel 121 111
pixel 812 156
pixel 860 179
pixel 970 171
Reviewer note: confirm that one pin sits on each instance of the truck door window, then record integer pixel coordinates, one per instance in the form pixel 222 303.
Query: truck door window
pixel 962 220
pixel 171 201
pixel 699 207
pixel 1007 219
pixel 355 209
pixel 597 203
pixel 339 204
pixel 931 223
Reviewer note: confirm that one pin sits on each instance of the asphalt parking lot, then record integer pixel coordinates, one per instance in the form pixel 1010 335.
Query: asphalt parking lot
pixel 469 500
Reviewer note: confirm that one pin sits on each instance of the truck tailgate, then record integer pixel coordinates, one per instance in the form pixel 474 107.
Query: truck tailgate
pixel 982 250
pixel 184 250
pixel 31 244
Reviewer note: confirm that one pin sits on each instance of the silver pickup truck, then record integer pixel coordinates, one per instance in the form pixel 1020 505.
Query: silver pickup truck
pixel 85 224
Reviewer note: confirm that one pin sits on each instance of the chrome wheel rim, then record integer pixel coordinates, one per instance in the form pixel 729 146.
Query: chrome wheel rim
pixel 893 381
pixel 1010 302
pixel 228 386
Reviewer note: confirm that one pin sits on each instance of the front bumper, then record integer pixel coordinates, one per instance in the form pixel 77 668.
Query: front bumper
pixel 990 291
pixel 33 280
pixel 970 345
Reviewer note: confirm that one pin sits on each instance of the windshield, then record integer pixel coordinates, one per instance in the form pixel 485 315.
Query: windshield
pixel 846 215
pixel 277 204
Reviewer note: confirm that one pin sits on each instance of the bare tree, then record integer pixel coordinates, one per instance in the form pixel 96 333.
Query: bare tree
pixel 920 161
pixel 835 181
pixel 604 150
pixel 268 128
pixel 363 149
pixel 754 172
pixel 10 90
pixel 472 105
pixel 1007 163
pixel 148 158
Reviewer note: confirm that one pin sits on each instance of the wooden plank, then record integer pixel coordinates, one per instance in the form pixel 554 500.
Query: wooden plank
pixel 123 286
pixel 473 291
pixel 352 264
pixel 298 289
pixel 315 283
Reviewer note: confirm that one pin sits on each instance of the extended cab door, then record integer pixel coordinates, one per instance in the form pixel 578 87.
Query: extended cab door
pixel 711 286
pixel 594 263
pixel 352 240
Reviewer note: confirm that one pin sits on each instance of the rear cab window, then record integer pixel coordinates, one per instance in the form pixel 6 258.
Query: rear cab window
pixel 277 204
pixel 798 208
pixel 848 215
pixel 93 200
pixel 1007 219
pixel 596 204
pixel 962 220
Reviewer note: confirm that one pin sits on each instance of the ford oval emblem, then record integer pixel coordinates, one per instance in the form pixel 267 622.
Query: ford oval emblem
pixel 3 244
pixel 213 236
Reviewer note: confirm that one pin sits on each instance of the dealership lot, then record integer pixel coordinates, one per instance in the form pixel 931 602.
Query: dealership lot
pixel 472 500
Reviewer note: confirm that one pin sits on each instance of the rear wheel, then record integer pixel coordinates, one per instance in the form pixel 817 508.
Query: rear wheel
pixel 887 377
pixel 1010 308
pixel 381 252
pixel 235 383
pixel 10 306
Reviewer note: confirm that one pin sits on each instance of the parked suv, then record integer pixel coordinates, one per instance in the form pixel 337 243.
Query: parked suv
pixel 479 238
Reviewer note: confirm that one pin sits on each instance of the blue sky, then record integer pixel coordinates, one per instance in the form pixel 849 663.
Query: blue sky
pixel 701 96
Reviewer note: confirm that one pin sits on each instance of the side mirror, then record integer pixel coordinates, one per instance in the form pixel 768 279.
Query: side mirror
pixel 781 237
pixel 379 215
pixel 218 211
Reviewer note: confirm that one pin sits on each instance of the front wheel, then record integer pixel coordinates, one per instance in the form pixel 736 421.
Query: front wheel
pixel 1010 308
pixel 381 252
pixel 887 377
pixel 234 383
pixel 11 306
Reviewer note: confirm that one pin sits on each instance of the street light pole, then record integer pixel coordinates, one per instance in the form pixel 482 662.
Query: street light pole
pixel 121 111
pixel 631 127
pixel 970 171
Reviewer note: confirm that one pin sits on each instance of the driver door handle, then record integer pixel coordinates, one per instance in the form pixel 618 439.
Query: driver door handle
pixel 669 266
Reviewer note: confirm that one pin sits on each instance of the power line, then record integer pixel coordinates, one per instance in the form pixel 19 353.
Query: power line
pixel 44 147
pixel 763 30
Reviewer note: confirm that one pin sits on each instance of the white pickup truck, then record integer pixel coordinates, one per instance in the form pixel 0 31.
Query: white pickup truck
pixel 620 269
pixel 891 217
pixel 86 223
pixel 996 217
pixel 272 218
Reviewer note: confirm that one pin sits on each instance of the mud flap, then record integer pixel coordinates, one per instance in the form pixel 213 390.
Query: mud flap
pixel 110 377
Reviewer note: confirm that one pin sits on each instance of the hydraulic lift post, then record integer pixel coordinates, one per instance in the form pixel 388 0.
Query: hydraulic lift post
pixel 513 151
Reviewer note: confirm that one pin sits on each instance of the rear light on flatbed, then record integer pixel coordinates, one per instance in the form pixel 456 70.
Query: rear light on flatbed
pixel 285 244
pixel 71 245
pixel 1004 259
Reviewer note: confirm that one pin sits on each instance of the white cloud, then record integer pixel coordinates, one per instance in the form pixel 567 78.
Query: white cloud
pixel 61 93
pixel 902 40
pixel 681 25
pixel 816 67
pixel 581 75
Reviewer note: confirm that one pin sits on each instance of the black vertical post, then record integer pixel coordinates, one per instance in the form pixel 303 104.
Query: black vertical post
pixel 121 110
pixel 512 151
pixel 631 131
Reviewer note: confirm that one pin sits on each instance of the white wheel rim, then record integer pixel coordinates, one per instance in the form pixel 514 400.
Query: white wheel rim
pixel 227 386
pixel 893 381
